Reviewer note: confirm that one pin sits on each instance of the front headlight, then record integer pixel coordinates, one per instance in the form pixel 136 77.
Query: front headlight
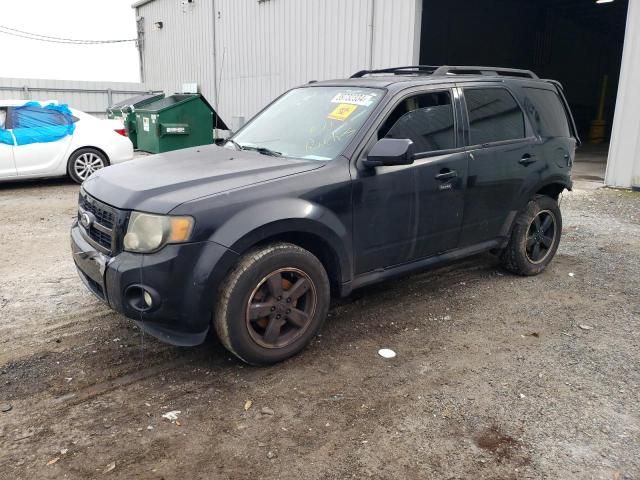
pixel 148 233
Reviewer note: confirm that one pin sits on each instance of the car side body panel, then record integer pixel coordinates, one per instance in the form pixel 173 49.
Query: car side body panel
pixel 50 159
pixel 365 223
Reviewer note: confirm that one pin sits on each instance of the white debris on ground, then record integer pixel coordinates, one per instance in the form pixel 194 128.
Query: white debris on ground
pixel 386 353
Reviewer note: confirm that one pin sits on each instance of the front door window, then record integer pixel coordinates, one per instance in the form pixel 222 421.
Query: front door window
pixel 426 119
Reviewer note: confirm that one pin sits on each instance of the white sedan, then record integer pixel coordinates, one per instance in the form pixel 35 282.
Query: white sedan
pixel 44 139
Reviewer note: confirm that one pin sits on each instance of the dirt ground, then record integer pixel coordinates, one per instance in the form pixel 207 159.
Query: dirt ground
pixel 496 377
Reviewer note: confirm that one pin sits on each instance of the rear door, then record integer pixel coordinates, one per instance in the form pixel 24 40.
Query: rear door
pixel 405 213
pixel 502 153
pixel 33 153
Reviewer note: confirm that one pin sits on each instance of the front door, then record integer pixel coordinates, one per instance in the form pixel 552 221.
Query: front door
pixel 405 213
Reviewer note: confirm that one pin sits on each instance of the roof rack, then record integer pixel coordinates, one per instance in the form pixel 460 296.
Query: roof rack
pixel 443 70
pixel 493 71
pixel 412 69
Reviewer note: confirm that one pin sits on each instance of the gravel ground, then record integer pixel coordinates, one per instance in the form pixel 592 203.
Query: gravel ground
pixel 496 377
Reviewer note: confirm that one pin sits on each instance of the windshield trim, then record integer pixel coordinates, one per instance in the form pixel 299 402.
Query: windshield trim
pixel 355 138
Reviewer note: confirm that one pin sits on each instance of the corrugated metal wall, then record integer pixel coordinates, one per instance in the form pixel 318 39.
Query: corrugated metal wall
pixel 623 164
pixel 182 50
pixel 263 48
pixel 90 97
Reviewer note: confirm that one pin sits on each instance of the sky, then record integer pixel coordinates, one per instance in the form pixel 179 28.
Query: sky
pixel 76 19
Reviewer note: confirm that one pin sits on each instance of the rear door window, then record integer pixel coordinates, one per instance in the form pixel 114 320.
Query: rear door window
pixel 426 119
pixel 494 116
pixel 33 123
pixel 546 112
pixel 34 117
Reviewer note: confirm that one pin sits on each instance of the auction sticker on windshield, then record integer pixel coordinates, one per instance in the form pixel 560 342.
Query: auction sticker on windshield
pixel 342 112
pixel 364 99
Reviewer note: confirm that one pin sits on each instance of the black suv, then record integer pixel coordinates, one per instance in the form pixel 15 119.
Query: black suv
pixel 333 186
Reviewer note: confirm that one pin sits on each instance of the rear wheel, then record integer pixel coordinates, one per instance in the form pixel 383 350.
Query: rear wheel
pixel 84 162
pixel 272 304
pixel 535 237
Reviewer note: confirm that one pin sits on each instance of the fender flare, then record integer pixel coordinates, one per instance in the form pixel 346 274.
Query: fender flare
pixel 287 216
pixel 528 193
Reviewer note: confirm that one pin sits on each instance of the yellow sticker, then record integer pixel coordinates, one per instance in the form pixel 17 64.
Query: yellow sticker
pixel 342 112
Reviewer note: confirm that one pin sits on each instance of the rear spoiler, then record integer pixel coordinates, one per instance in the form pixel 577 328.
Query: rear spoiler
pixel 567 110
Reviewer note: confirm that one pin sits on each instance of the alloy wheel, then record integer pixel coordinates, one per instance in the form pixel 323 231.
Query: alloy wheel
pixel 541 236
pixel 86 164
pixel 281 308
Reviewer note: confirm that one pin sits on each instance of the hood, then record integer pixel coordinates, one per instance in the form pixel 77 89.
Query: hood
pixel 159 183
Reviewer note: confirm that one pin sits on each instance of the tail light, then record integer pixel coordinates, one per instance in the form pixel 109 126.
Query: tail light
pixel 121 131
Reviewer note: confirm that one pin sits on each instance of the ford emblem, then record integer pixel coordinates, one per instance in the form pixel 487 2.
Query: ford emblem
pixel 86 220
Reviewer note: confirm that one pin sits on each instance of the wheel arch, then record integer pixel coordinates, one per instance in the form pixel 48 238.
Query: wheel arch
pixel 551 187
pixel 312 241
pixel 297 221
pixel 77 149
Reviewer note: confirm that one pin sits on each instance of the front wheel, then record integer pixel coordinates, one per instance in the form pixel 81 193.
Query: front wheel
pixel 535 237
pixel 272 304
pixel 84 162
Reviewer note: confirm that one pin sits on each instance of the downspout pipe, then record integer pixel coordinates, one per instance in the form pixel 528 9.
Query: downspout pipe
pixel 371 33
pixel 215 56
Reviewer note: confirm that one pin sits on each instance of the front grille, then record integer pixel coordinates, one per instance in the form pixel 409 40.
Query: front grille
pixel 103 216
pixel 102 232
pixel 102 238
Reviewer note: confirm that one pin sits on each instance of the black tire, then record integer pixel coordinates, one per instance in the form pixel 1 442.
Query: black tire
pixel 92 160
pixel 531 232
pixel 295 316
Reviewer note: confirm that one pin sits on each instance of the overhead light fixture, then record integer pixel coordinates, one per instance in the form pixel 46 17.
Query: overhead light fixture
pixel 158 25
pixel 604 1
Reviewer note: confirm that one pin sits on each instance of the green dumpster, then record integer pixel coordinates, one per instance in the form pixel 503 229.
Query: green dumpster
pixel 126 110
pixel 178 121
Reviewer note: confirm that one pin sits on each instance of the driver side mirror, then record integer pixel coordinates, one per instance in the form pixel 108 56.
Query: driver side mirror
pixel 389 152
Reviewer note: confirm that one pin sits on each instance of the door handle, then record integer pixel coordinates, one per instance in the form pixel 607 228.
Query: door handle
pixel 446 175
pixel 527 159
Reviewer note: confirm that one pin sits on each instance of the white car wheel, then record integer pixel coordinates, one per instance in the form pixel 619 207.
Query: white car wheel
pixel 85 162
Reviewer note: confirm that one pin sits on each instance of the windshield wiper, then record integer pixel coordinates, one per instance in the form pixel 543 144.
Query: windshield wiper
pixel 262 150
pixel 234 143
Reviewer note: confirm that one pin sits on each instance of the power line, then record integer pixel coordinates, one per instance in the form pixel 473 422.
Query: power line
pixel 37 36
pixel 47 38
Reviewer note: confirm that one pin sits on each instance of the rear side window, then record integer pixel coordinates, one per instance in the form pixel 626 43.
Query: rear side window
pixel 494 116
pixel 425 119
pixel 33 117
pixel 546 112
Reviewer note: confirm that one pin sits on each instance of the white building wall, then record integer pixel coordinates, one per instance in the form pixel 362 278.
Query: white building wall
pixel 89 97
pixel 263 48
pixel 182 50
pixel 623 166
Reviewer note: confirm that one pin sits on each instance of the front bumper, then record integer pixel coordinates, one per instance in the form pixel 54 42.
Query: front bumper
pixel 183 279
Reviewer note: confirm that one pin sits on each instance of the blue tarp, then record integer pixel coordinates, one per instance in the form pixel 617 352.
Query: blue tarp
pixel 5 137
pixel 35 123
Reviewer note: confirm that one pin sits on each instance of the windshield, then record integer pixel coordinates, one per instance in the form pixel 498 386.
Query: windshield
pixel 314 123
